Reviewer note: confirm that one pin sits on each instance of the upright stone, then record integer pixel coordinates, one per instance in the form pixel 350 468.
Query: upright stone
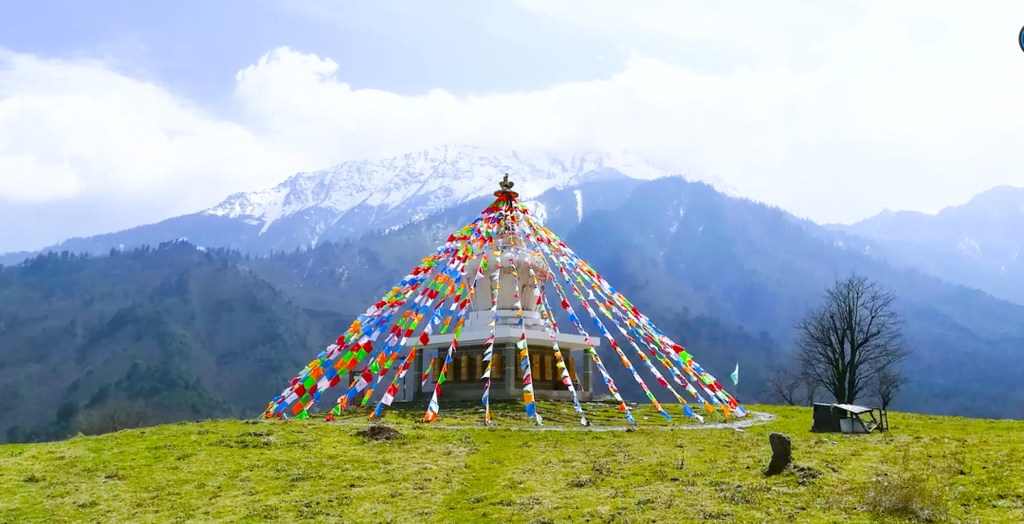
pixel 782 454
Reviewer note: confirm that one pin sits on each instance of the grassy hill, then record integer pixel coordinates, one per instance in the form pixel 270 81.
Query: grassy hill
pixel 927 468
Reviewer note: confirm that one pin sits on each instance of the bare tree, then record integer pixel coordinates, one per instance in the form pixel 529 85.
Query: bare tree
pixel 810 389
pixel 784 384
pixel 789 385
pixel 887 385
pixel 853 337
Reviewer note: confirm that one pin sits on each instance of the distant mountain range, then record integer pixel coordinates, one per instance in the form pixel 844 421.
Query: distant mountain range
pixel 977 244
pixel 726 276
pixel 350 199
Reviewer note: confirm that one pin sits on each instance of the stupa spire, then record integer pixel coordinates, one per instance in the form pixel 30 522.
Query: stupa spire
pixel 506 194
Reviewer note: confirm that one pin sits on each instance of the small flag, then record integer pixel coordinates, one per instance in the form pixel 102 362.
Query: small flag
pixel 735 376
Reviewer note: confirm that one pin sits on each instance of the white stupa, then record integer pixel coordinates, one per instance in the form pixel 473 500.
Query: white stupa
pixel 463 379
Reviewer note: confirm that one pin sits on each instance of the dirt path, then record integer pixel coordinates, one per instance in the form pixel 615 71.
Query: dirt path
pixel 755 418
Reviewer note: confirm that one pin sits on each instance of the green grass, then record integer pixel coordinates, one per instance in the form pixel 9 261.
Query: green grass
pixel 926 468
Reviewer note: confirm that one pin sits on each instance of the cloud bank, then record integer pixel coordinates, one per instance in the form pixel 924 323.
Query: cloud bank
pixel 830 126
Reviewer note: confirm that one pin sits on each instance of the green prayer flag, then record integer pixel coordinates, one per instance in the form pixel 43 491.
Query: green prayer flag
pixel 302 415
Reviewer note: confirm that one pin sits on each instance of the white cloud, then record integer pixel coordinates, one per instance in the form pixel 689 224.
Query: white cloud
pixel 78 130
pixel 879 108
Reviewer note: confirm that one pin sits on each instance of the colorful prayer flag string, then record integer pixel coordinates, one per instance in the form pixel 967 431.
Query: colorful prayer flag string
pixel 507 236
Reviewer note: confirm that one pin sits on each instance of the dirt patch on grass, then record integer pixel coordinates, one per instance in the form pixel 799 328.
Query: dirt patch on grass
pixel 806 474
pixel 380 432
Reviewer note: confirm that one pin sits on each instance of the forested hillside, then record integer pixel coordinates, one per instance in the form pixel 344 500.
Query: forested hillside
pixel 180 333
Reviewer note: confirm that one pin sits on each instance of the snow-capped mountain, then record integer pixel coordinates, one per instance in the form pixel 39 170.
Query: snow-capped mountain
pixel 356 195
pixel 353 198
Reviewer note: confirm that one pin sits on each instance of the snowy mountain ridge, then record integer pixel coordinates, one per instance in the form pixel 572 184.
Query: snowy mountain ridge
pixel 354 198
pixel 422 183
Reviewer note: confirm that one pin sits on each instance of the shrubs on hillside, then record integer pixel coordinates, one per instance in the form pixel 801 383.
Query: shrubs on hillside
pixel 112 416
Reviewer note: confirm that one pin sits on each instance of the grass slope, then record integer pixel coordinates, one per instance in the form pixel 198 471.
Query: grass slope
pixel 926 468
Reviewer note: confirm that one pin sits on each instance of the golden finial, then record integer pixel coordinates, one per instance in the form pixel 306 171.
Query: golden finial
pixel 506 190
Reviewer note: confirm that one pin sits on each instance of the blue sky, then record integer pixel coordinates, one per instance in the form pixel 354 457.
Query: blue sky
pixel 193 48
pixel 116 113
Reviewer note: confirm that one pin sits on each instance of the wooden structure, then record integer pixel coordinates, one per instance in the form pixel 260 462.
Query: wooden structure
pixel 848 418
